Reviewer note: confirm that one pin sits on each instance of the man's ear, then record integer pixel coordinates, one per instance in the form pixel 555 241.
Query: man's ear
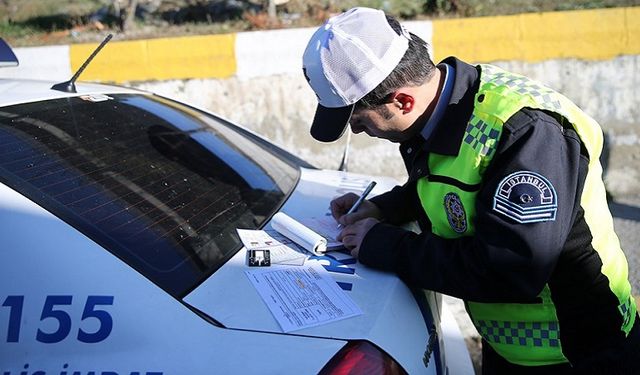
pixel 404 102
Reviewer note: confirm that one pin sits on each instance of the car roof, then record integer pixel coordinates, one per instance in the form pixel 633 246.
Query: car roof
pixel 17 91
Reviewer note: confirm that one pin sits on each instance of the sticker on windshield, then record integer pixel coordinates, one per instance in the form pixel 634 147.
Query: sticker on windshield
pixel 95 97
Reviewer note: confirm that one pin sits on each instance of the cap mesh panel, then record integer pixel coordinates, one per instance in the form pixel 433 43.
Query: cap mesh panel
pixel 345 69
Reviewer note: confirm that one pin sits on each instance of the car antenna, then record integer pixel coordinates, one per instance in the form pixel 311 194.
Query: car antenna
pixel 344 164
pixel 70 86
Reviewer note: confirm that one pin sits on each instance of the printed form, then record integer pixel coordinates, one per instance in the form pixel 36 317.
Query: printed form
pixel 302 297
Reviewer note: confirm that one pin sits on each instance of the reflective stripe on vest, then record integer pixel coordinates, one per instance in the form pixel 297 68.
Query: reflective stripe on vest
pixel 525 334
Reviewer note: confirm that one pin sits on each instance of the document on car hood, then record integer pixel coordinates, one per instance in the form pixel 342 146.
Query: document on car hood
pixel 283 250
pixel 302 297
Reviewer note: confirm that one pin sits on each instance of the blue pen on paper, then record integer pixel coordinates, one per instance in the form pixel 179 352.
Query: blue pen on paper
pixel 361 199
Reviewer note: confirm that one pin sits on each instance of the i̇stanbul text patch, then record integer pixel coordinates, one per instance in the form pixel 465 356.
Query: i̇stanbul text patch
pixel 526 197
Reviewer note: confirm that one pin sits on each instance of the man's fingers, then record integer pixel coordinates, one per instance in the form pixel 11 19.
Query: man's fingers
pixel 352 242
pixel 336 209
pixel 348 241
pixel 354 217
pixel 346 232
pixel 351 236
pixel 340 205
pixel 355 251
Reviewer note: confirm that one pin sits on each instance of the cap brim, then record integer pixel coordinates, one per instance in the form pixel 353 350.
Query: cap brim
pixel 330 123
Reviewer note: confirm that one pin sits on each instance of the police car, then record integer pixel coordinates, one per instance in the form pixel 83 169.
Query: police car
pixel 119 252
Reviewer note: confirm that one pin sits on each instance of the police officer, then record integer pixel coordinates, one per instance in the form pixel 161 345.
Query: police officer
pixel 505 181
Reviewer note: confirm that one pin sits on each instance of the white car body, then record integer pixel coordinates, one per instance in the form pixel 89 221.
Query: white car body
pixel 68 305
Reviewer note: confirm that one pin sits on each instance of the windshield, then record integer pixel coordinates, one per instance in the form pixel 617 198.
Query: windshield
pixel 160 185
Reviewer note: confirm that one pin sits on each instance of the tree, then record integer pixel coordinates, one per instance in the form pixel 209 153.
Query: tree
pixel 271 10
pixel 126 19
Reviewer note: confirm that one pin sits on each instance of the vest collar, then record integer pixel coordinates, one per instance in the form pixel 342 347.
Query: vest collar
pixel 446 136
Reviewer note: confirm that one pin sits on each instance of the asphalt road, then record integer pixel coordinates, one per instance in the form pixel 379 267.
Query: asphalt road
pixel 626 219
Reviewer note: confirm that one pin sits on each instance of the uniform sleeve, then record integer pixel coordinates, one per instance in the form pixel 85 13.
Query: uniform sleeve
pixel 513 252
pixel 399 205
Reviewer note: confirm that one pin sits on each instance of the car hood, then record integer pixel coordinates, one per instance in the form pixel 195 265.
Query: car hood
pixel 391 317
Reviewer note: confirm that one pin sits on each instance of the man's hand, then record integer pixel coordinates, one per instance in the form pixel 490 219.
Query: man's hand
pixel 341 205
pixel 353 234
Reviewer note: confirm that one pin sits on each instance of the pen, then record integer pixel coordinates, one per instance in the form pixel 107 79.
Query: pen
pixel 361 198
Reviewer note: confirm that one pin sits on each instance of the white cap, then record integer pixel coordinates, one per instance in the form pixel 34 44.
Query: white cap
pixel 346 58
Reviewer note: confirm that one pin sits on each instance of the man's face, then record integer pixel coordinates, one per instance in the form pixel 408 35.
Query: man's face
pixel 379 123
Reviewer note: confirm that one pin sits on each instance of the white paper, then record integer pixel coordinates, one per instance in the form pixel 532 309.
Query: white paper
pixel 299 233
pixel 327 227
pixel 302 297
pixel 281 249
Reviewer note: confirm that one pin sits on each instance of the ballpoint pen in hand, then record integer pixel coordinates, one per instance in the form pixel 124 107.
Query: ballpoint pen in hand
pixel 361 198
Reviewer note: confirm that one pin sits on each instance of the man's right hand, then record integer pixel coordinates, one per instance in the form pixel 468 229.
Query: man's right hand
pixel 341 205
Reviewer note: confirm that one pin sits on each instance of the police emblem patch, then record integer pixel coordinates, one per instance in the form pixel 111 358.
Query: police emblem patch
pixel 526 197
pixel 455 212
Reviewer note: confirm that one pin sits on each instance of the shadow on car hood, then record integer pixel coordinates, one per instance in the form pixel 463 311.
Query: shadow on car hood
pixel 391 317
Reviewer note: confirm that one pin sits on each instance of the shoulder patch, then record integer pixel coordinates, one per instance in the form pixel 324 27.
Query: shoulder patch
pixel 526 197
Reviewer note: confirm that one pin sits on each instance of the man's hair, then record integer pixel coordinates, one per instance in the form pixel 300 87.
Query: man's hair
pixel 414 69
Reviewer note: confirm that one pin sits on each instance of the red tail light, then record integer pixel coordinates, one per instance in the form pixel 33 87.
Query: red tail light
pixel 361 357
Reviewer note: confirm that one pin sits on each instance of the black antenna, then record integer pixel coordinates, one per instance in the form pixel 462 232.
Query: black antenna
pixel 70 86
pixel 344 164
